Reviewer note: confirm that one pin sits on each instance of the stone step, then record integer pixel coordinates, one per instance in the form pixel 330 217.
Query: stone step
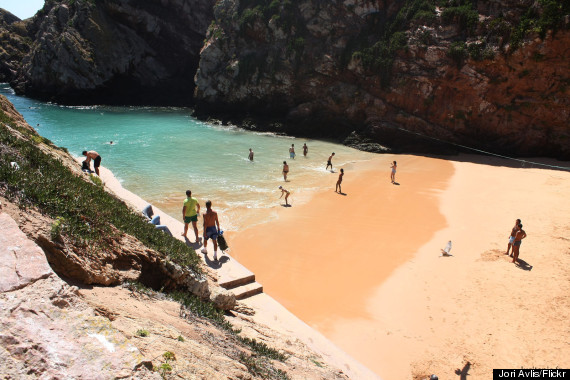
pixel 247 290
pixel 231 283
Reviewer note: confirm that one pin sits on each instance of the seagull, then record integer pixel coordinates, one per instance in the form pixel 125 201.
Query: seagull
pixel 445 251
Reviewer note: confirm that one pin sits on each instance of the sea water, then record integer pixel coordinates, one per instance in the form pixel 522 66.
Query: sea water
pixel 160 152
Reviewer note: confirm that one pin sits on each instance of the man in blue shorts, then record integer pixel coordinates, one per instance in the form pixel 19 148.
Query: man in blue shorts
pixel 211 229
pixel 190 214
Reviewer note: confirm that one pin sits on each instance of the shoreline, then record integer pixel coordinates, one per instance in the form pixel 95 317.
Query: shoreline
pixel 267 310
pixel 440 315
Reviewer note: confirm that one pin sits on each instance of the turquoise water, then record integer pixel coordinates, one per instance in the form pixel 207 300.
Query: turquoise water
pixel 158 153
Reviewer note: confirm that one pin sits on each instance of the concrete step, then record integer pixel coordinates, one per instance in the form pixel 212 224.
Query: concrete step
pixel 232 283
pixel 247 290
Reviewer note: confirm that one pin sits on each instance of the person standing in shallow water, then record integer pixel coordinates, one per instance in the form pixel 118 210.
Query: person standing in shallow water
pixel 393 174
pixel 337 188
pixel 292 151
pixel 190 214
pixel 250 154
pixel 329 162
pixel 305 149
pixel 285 170
pixel 512 237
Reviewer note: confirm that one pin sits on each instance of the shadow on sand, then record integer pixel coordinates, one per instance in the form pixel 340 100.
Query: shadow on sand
pixel 463 373
pixel 286 205
pixel 523 265
pixel 216 264
pixel 196 245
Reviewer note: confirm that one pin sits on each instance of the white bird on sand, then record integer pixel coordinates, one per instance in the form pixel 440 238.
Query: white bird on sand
pixel 445 251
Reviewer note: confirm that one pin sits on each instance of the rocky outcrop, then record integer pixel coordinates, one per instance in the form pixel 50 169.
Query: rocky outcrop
pixel 14 44
pixel 406 75
pixel 114 52
pixel 47 330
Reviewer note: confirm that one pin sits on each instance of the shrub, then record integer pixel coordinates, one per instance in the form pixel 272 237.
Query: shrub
pixel 458 52
pixel 142 333
pixel 464 15
pixel 89 211
pixel 57 227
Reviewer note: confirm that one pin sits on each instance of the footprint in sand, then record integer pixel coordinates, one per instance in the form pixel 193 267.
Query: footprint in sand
pixel 492 255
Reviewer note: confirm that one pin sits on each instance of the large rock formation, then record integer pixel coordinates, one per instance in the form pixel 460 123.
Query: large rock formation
pixel 418 75
pixel 493 77
pixel 47 330
pixel 123 52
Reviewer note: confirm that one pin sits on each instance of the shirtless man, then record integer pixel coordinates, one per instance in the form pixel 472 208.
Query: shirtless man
pixel 211 229
pixel 250 154
pixel 92 155
pixel 305 149
pixel 286 192
pixel 292 151
pixel 329 162
pixel 190 214
pixel 337 188
pixel 512 237
pixel 521 234
pixel 285 170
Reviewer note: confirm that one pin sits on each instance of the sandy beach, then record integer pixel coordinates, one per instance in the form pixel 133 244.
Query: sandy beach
pixel 364 268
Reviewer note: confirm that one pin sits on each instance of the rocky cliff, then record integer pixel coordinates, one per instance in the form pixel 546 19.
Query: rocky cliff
pixel 414 75
pixel 76 280
pixel 125 52
pixel 488 74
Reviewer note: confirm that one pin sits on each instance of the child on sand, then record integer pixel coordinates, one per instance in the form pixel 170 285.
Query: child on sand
pixel 329 162
pixel 286 192
pixel 393 175
pixel 337 188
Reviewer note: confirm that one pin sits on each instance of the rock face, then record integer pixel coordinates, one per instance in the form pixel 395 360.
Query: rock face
pixel 124 52
pixel 414 76
pixel 47 330
pixel 391 71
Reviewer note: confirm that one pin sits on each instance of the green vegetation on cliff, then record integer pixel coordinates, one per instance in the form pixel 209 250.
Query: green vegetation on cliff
pixel 83 210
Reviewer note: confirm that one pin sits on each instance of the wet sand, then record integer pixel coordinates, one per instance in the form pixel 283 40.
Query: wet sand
pixel 364 269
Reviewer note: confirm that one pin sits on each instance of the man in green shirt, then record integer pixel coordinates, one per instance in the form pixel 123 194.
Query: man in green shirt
pixel 190 214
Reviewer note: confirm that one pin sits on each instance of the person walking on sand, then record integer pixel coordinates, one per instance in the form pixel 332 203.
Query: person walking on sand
pixel 190 214
pixel 250 154
pixel 521 234
pixel 329 162
pixel 393 174
pixel 337 188
pixel 285 170
pixel 292 151
pixel 92 155
pixel 286 192
pixel 305 149
pixel 211 229
pixel 512 237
